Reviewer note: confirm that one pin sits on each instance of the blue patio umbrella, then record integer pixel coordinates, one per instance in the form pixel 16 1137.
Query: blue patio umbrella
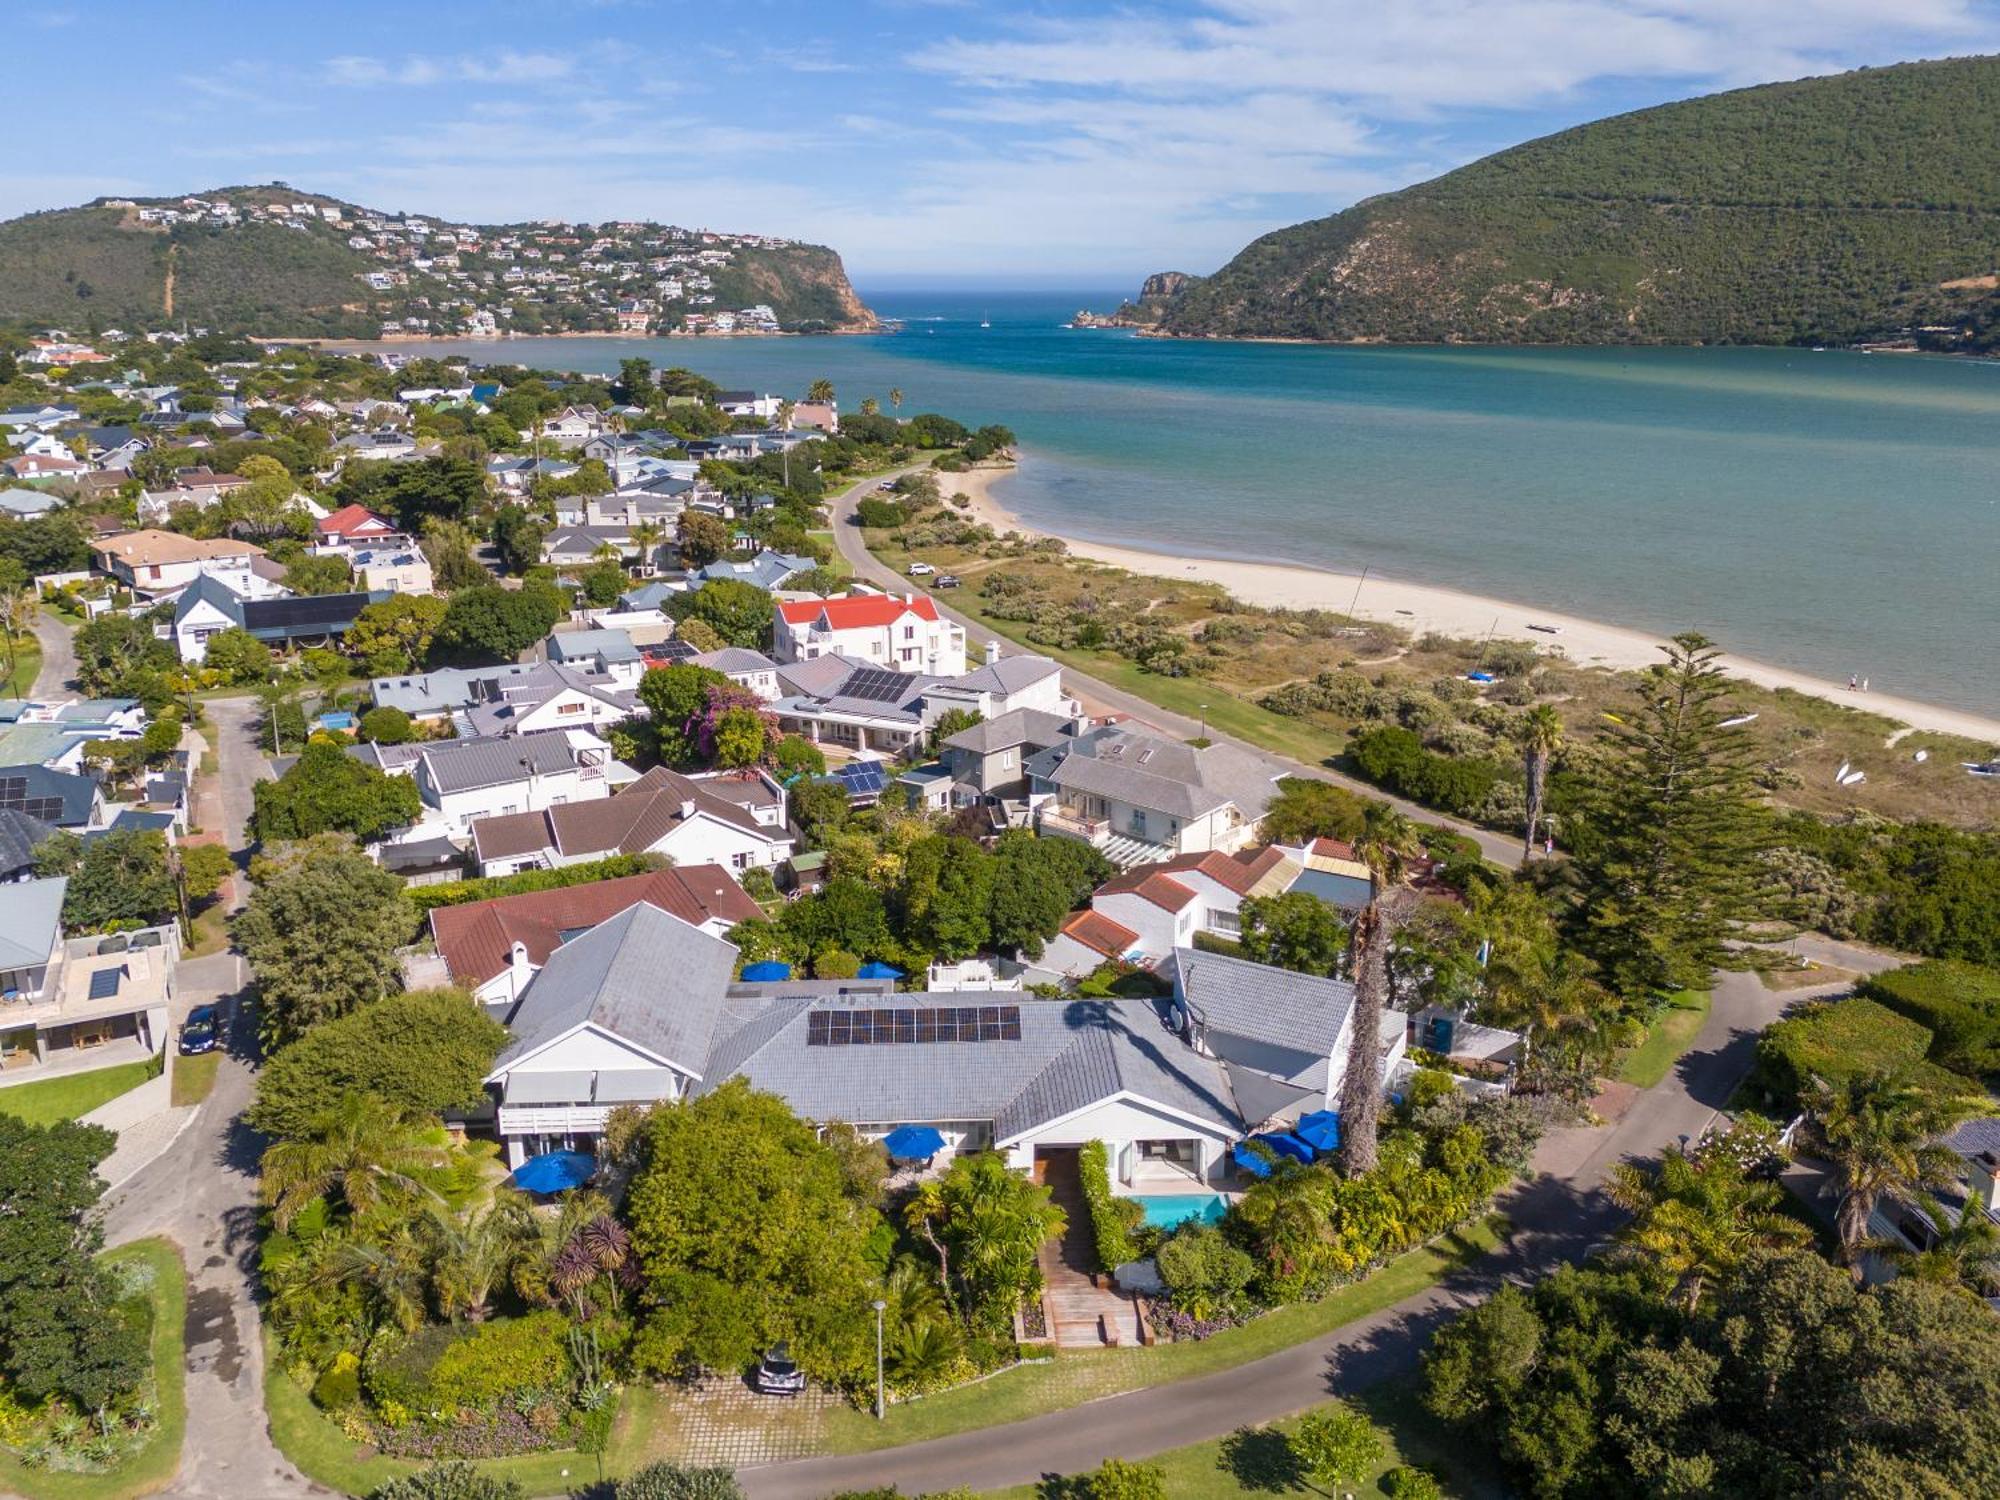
pixel 875 969
pixel 1287 1145
pixel 1319 1130
pixel 769 969
pixel 913 1143
pixel 1250 1161
pixel 557 1172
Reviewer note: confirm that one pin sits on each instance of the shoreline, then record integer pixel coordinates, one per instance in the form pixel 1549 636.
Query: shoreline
pixel 1422 607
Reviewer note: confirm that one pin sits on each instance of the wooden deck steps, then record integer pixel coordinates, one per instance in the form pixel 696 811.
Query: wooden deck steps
pixel 1083 1314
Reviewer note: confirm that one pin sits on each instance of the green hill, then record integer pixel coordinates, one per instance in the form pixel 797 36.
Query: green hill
pixel 1826 210
pixel 273 260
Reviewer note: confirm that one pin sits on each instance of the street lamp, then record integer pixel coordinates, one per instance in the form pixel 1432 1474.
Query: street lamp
pixel 880 1306
pixel 1204 721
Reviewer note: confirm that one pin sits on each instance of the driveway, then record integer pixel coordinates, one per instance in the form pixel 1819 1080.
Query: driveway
pixel 1100 697
pixel 58 668
pixel 202 1195
pixel 1558 1214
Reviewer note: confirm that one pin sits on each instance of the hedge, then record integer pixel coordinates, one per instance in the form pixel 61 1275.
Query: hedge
pixel 1112 1218
pixel 1958 1002
pixel 1395 758
pixel 1836 1041
pixel 457 892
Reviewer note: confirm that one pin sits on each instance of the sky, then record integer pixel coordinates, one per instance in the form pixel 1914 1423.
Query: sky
pixel 940 143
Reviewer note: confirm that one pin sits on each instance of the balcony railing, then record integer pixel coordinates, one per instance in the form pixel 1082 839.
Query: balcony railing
pixel 1073 824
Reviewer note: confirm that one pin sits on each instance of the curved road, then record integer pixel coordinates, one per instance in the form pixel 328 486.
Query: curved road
pixel 1102 697
pixel 1558 1214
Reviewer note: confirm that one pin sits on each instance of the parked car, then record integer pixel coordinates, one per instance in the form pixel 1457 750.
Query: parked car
pixel 919 569
pixel 946 581
pixel 202 1031
pixel 777 1375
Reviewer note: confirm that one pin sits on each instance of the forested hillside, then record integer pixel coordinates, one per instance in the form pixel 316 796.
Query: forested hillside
pixel 1826 210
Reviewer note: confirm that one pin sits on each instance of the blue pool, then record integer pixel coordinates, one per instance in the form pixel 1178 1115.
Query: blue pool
pixel 1175 1209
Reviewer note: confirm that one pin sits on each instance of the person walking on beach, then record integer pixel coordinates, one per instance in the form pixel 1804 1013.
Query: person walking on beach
pixel 1853 682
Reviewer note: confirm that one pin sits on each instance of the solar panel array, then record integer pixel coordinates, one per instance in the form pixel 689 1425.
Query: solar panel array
pixel 14 798
pixel 863 778
pixel 876 685
pixel 104 983
pixel 944 1023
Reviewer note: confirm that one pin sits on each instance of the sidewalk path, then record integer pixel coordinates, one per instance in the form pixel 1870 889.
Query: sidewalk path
pixel 58 669
pixel 1101 697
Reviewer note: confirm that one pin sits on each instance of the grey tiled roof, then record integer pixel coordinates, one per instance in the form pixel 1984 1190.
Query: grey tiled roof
pixel 30 920
pixel 645 976
pixel 462 765
pixel 1147 771
pixel 1010 674
pixel 818 677
pixel 1021 726
pixel 1254 1001
pixel 446 689
pixel 611 645
pixel 20 835
pixel 736 659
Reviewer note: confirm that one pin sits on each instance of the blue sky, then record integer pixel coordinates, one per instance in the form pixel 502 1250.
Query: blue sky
pixel 930 141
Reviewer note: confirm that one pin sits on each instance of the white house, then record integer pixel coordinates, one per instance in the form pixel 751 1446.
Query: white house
pixel 462 781
pixel 159 564
pixel 1140 798
pixel 602 653
pixel 1143 915
pixel 737 821
pixel 902 632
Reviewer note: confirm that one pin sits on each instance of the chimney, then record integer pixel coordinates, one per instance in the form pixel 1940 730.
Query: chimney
pixel 687 808
pixel 1984 1170
pixel 992 652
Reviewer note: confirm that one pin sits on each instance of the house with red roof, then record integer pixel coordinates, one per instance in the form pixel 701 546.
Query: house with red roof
pixel 356 526
pixel 493 948
pixel 902 632
pixel 1144 914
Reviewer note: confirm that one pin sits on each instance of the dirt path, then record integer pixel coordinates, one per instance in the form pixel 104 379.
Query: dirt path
pixel 167 292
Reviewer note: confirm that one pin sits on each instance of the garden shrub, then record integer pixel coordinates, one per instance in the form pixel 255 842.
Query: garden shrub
pixel 339 1384
pixel 1112 1218
pixel 1205 1273
pixel 1396 759
pixel 397 1368
pixel 452 1481
pixel 1835 1041
pixel 503 1359
pixel 458 892
pixel 1958 1002
pixel 669 1481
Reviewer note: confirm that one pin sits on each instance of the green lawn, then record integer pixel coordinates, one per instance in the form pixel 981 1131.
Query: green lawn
pixel 322 1452
pixel 1671 1035
pixel 194 1077
pixel 1030 1390
pixel 1257 1461
pixel 75 1094
pixel 27 666
pixel 155 1464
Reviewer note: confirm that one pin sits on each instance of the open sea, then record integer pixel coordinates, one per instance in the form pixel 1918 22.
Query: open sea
pixel 1835 513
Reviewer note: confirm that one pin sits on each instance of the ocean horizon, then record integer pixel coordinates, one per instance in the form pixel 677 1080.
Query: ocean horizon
pixel 1833 512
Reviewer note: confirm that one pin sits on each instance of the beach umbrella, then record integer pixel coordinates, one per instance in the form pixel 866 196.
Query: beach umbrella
pixel 913 1143
pixel 768 970
pixel 556 1172
pixel 1319 1130
pixel 874 969
pixel 1250 1161
pixel 1287 1145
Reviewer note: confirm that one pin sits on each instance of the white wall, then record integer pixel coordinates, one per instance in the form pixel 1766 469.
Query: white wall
pixel 1119 1123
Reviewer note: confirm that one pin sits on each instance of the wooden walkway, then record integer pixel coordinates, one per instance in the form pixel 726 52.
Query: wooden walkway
pixel 1084 1314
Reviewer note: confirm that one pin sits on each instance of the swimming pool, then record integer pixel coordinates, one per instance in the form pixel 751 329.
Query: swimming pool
pixel 1172 1210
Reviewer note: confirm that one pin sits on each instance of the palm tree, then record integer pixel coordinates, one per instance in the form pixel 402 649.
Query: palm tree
pixel 1386 846
pixel 1965 1252
pixel 1697 1220
pixel 870 406
pixel 820 390
pixel 647 536
pixel 471 1255
pixel 360 1148
pixel 1541 736
pixel 1880 1133
pixel 896 397
pixel 390 1271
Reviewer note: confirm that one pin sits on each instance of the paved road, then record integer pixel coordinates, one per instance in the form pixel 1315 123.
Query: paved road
pixel 1558 1214
pixel 202 1195
pixel 1100 697
pixel 58 668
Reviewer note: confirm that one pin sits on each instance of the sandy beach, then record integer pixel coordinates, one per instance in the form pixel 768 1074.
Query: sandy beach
pixel 1421 607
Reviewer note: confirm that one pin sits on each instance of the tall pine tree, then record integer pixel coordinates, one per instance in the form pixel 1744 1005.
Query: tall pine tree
pixel 1669 868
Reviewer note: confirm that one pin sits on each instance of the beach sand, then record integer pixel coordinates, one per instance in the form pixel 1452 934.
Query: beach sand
pixel 1420 608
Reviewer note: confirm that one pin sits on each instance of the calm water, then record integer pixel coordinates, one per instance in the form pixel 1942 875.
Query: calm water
pixel 1832 512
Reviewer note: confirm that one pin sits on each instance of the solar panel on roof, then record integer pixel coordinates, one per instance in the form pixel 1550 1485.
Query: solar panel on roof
pixel 877 685
pixel 104 983
pixel 862 776
pixel 889 1027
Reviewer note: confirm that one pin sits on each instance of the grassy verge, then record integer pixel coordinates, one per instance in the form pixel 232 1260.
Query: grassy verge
pixel 50 1099
pixel 154 1465
pixel 1031 1390
pixel 1258 1461
pixel 27 666
pixel 194 1077
pixel 211 930
pixel 1672 1034
pixel 323 1453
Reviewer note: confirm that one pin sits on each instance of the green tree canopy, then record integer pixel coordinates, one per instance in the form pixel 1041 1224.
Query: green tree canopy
pixel 739 612
pixel 326 790
pixel 122 879
pixel 393 635
pixel 488 623
pixel 1295 930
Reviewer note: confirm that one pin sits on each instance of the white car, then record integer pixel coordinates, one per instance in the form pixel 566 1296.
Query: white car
pixel 921 569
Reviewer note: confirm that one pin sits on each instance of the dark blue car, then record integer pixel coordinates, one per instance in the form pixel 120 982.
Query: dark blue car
pixel 202 1031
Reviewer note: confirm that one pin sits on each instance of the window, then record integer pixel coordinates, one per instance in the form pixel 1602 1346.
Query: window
pixel 1180 1153
pixel 909 632
pixel 1004 759
pixel 740 860
pixel 568 708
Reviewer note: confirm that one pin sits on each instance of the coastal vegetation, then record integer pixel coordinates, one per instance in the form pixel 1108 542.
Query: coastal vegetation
pixel 1822 211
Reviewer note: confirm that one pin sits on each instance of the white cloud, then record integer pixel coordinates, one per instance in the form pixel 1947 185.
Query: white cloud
pixel 354 71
